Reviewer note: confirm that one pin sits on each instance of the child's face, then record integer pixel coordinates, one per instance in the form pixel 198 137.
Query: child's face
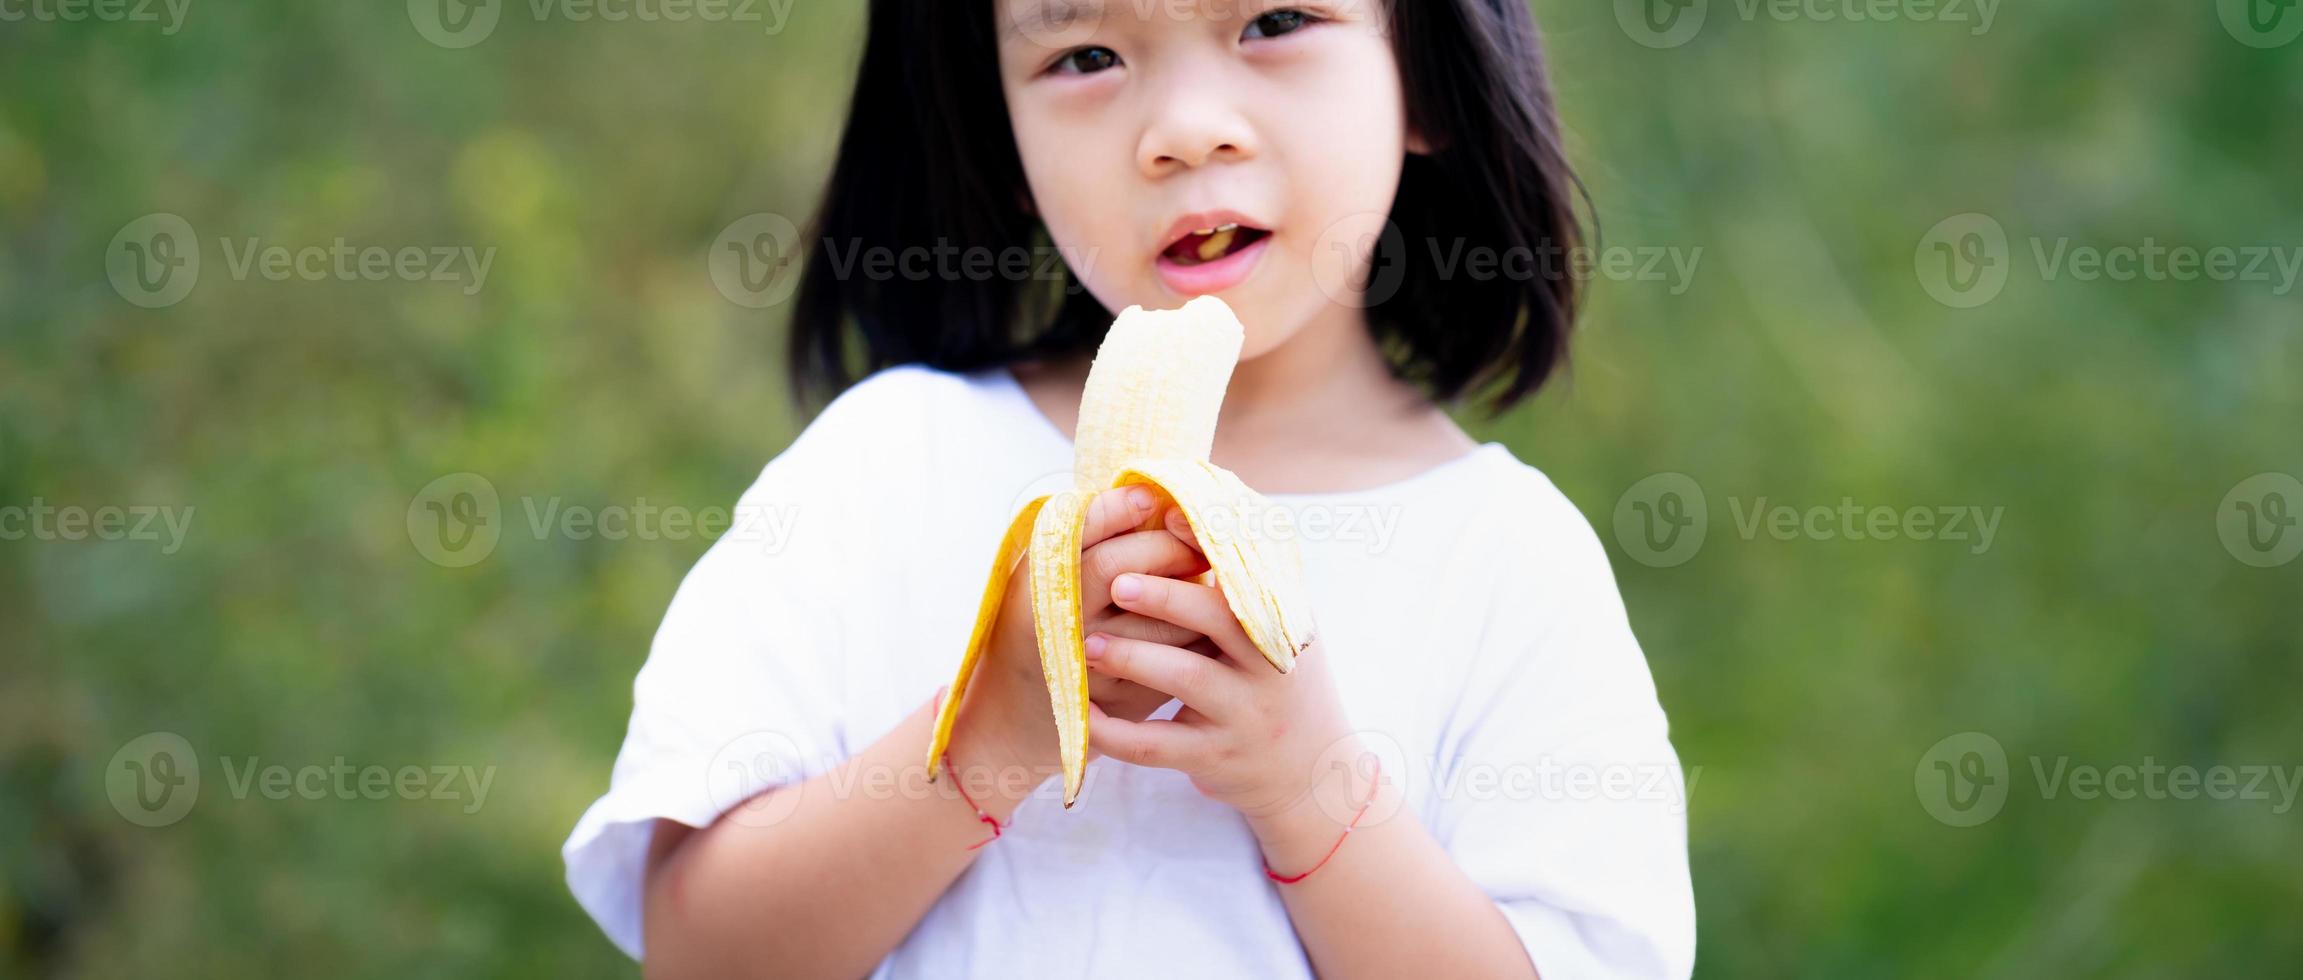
pixel 1142 121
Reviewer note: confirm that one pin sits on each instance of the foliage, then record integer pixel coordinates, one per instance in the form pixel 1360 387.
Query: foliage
pixel 1804 362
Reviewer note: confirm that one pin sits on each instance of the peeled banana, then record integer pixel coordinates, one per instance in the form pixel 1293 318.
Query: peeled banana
pixel 1147 416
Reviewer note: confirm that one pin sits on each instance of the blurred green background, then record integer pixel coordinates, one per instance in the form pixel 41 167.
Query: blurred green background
pixel 1813 161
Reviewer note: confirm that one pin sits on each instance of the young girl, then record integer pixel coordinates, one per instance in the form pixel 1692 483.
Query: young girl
pixel 1467 774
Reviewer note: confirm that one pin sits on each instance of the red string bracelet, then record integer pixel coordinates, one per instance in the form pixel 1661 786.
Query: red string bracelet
pixel 946 761
pixel 980 814
pixel 1364 804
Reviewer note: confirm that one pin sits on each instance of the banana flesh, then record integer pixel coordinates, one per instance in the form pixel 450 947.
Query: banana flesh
pixel 1213 245
pixel 1147 416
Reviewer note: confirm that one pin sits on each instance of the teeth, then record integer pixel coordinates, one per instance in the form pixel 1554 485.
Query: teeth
pixel 1147 417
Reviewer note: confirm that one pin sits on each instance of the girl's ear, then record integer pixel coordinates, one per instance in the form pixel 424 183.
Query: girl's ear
pixel 1416 143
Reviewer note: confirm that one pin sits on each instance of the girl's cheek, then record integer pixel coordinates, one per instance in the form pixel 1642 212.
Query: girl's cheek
pixel 1338 265
pixel 1062 178
pixel 1336 82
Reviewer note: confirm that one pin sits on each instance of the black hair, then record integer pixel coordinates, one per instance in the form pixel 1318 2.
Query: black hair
pixel 928 161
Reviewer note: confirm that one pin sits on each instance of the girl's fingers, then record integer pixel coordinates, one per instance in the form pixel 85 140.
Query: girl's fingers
pixel 1124 698
pixel 1137 626
pixel 1180 526
pixel 1196 607
pixel 1117 511
pixel 1198 681
pixel 1158 744
pixel 1154 552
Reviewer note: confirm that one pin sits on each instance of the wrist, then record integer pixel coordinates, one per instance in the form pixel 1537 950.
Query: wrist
pixel 1291 837
pixel 986 766
pixel 1296 836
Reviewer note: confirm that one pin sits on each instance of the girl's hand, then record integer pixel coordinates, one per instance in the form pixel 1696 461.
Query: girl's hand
pixel 1247 735
pixel 1013 710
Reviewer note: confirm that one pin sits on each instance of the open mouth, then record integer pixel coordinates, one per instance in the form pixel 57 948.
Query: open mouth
pixel 1211 244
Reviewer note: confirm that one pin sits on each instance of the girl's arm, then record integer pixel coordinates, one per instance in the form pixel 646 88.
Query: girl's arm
pixel 831 888
pixel 1390 902
pixel 835 880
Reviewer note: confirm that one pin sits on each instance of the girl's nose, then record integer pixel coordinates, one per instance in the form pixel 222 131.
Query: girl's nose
pixel 1193 122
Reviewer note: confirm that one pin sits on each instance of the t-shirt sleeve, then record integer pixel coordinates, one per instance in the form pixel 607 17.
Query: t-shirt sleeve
pixel 1567 801
pixel 744 686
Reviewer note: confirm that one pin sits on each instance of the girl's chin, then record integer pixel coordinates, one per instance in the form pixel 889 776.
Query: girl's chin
pixel 1263 305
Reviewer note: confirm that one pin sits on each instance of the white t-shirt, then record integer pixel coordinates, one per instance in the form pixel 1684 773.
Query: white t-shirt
pixel 1472 624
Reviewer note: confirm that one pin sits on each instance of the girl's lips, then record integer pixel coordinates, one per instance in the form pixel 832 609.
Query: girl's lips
pixel 1214 276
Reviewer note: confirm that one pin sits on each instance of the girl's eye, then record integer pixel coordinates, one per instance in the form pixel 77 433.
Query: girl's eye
pixel 1086 61
pixel 1278 22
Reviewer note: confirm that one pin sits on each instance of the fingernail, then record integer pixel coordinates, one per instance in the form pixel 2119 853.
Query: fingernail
pixel 1095 645
pixel 1126 588
pixel 1140 499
